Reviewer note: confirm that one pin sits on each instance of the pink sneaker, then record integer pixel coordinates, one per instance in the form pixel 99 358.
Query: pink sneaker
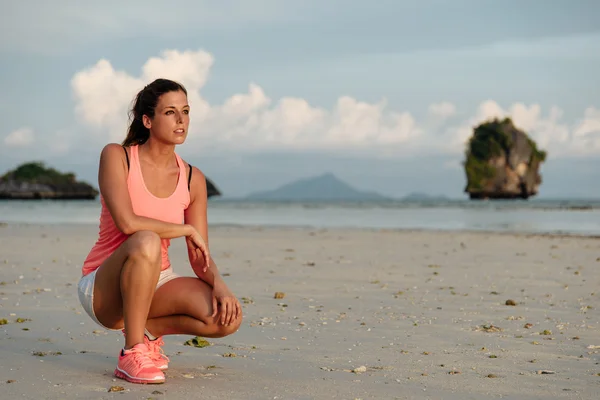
pixel 156 354
pixel 136 367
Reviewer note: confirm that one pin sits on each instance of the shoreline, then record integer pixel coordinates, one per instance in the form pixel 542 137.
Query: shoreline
pixel 340 228
pixel 337 216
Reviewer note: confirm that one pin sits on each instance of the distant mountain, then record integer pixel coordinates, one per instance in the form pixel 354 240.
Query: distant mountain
pixel 418 196
pixel 320 188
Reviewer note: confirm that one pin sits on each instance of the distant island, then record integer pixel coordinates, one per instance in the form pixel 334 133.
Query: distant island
pixel 326 187
pixel 211 188
pixel 35 181
pixel 502 162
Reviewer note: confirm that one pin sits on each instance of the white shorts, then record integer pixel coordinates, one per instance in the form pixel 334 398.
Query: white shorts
pixel 85 290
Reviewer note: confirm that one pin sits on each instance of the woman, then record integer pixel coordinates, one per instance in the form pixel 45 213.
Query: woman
pixel 149 196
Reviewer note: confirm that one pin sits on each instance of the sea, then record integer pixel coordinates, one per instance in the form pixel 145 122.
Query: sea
pixel 536 216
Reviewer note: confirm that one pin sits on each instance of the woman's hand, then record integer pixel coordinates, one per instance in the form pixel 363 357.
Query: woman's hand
pixel 197 247
pixel 225 303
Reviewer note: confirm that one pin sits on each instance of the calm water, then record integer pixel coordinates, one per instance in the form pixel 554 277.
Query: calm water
pixel 533 216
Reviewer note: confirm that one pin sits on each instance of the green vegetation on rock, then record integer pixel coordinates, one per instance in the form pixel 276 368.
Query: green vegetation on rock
pixel 36 172
pixel 536 155
pixel 497 145
pixel 33 180
pixel 489 140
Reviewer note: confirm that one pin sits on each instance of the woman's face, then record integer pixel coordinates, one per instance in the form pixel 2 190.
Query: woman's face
pixel 171 118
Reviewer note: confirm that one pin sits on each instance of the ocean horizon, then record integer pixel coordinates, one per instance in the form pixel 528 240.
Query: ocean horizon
pixel 533 216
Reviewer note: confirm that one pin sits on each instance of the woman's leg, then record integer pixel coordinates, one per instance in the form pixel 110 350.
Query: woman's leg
pixel 125 285
pixel 183 306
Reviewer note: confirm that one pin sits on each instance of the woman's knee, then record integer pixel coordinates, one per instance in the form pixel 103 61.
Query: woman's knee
pixel 226 330
pixel 145 245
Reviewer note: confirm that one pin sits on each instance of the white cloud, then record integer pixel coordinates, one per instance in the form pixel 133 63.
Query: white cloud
pixel 25 141
pixel 549 131
pixel 103 95
pixel 22 137
pixel 587 131
pixel 247 121
pixel 442 110
pixel 252 121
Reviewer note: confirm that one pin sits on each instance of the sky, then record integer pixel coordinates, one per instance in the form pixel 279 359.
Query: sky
pixel 384 94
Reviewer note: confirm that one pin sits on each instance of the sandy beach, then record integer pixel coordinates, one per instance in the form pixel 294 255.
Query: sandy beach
pixel 367 314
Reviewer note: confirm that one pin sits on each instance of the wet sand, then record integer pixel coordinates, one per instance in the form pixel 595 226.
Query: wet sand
pixel 366 315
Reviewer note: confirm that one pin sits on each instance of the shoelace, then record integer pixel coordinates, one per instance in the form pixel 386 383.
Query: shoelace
pixel 156 351
pixel 141 358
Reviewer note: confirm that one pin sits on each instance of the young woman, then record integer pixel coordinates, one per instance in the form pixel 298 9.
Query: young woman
pixel 149 196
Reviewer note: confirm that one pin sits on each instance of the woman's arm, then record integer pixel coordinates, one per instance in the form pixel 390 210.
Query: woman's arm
pixel 225 304
pixel 196 216
pixel 112 179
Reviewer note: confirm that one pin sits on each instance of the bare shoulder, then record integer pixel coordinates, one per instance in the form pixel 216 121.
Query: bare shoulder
pixel 113 159
pixel 198 181
pixel 196 172
pixel 112 150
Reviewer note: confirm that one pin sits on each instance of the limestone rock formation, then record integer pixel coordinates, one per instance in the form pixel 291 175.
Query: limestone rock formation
pixel 211 189
pixel 502 162
pixel 34 181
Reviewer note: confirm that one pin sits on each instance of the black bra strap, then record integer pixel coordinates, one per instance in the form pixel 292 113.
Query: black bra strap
pixel 126 156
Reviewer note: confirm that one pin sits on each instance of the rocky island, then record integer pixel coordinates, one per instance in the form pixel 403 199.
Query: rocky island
pixel 211 188
pixel 34 181
pixel 502 162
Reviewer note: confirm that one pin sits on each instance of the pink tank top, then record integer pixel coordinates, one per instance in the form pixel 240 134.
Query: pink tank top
pixel 145 204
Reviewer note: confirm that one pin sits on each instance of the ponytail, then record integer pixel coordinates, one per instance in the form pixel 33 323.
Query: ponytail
pixel 144 104
pixel 137 133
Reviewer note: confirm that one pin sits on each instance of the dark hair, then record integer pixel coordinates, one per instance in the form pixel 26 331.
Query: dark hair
pixel 144 104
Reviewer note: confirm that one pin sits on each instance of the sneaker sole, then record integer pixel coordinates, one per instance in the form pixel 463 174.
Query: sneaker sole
pixel 123 375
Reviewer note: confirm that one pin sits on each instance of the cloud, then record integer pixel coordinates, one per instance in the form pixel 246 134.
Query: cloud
pixel 251 121
pixel 26 142
pixel 550 132
pixel 103 95
pixel 587 131
pixel 22 137
pixel 442 110
pixel 247 121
